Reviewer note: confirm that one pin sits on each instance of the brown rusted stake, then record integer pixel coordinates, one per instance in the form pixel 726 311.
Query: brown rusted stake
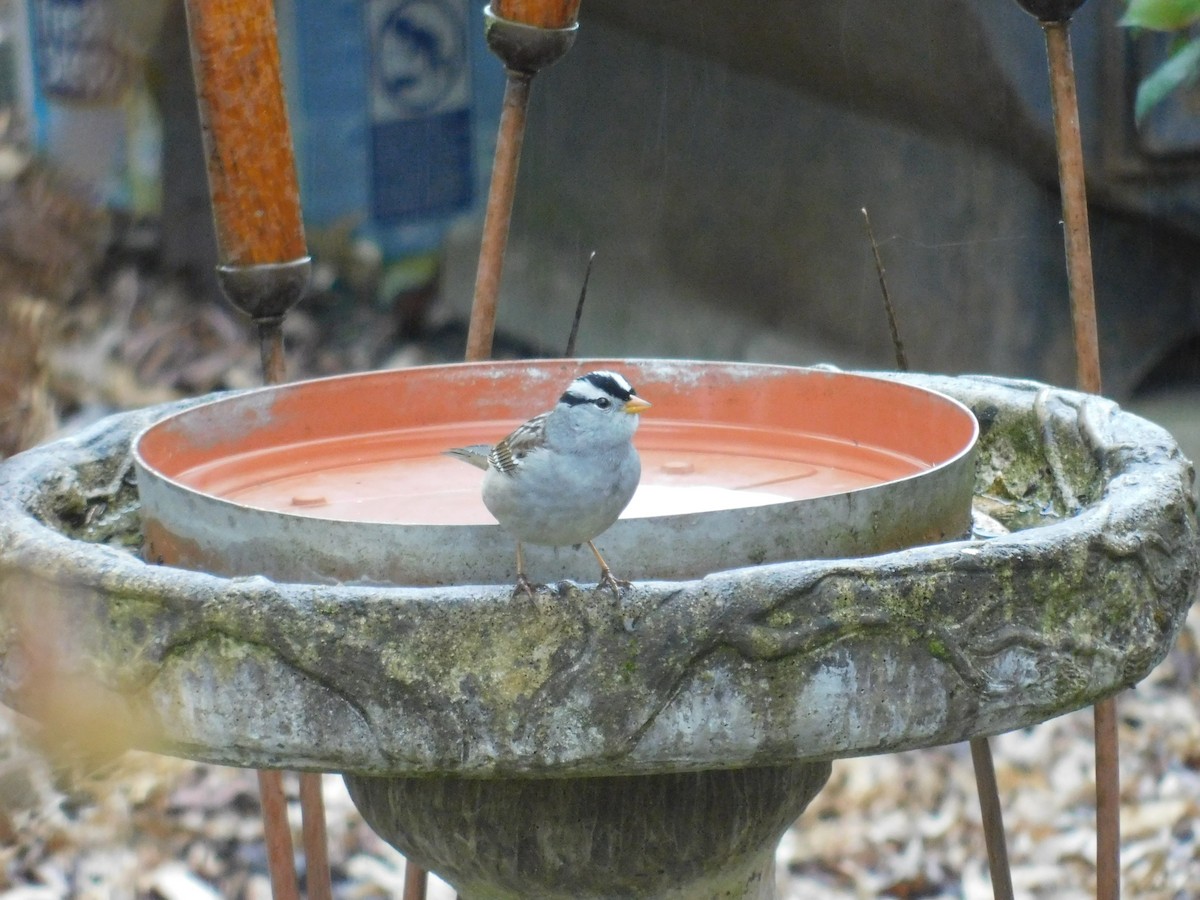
pixel 264 267
pixel 1074 204
pixel 993 819
pixel 1054 17
pixel 251 167
pixel 281 863
pixel 1108 800
pixel 247 142
pixel 538 13
pixel 1087 368
pixel 416 880
pixel 316 844
pixel 498 215
pixel 527 35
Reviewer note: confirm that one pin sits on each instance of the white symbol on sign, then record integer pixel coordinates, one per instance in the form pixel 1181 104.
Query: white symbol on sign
pixel 419 58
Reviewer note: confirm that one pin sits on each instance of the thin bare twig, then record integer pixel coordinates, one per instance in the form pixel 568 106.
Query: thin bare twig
pixel 587 275
pixel 901 358
pixel 981 750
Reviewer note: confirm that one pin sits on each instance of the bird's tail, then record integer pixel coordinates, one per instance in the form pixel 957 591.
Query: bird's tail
pixel 475 454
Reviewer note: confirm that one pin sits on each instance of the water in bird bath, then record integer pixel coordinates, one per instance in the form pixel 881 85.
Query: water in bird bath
pixel 402 476
pixel 344 479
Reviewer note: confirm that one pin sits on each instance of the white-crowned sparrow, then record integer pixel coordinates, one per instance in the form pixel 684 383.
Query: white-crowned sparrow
pixel 564 476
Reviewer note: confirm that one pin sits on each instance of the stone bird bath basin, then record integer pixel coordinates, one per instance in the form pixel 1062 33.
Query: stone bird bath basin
pixel 538 748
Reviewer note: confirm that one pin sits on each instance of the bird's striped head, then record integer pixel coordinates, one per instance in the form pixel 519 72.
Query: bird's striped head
pixel 605 391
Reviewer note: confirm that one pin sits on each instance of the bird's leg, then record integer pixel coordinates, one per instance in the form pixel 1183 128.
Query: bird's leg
pixel 607 579
pixel 524 586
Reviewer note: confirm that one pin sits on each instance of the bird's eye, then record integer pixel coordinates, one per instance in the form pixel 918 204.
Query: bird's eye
pixel 602 402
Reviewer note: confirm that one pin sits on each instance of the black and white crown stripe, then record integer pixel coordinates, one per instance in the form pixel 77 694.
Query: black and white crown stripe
pixel 590 387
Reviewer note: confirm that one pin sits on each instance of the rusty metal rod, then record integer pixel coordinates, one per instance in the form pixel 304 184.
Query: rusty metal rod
pixel 247 141
pixel 263 269
pixel 1108 800
pixel 1087 368
pixel 316 844
pixel 270 350
pixel 538 13
pixel 416 880
pixel 993 818
pixel 281 863
pixel 527 35
pixel 498 215
pixel 1074 205
pixel 250 162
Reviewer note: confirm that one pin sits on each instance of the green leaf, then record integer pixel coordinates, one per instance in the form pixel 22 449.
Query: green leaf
pixel 1161 15
pixel 1183 67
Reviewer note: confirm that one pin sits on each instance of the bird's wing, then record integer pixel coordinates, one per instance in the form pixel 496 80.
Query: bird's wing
pixel 506 456
pixel 475 454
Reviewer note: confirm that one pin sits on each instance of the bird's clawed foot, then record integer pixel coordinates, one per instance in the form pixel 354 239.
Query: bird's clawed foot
pixel 607 579
pixel 526 587
pixel 614 584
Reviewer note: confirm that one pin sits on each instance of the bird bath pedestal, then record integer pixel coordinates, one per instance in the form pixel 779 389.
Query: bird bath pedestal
pixel 540 748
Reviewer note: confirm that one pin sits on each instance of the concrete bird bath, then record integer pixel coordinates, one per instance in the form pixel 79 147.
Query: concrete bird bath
pixel 538 748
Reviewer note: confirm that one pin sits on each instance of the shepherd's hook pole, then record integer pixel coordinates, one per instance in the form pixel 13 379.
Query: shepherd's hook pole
pixel 1054 17
pixel 263 270
pixel 527 35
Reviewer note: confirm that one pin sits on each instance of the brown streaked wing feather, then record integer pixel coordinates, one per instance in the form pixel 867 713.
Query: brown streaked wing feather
pixel 506 456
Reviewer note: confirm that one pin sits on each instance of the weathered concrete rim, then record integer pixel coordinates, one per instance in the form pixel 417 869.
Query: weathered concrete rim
pixel 758 666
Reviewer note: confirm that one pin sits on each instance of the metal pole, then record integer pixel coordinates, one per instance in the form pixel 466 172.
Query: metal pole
pixel 527 35
pixel 316 844
pixel 1087 368
pixel 281 863
pixel 251 168
pixel 1054 16
pixel 264 269
pixel 1074 205
pixel 416 880
pixel 993 819
pixel 498 215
